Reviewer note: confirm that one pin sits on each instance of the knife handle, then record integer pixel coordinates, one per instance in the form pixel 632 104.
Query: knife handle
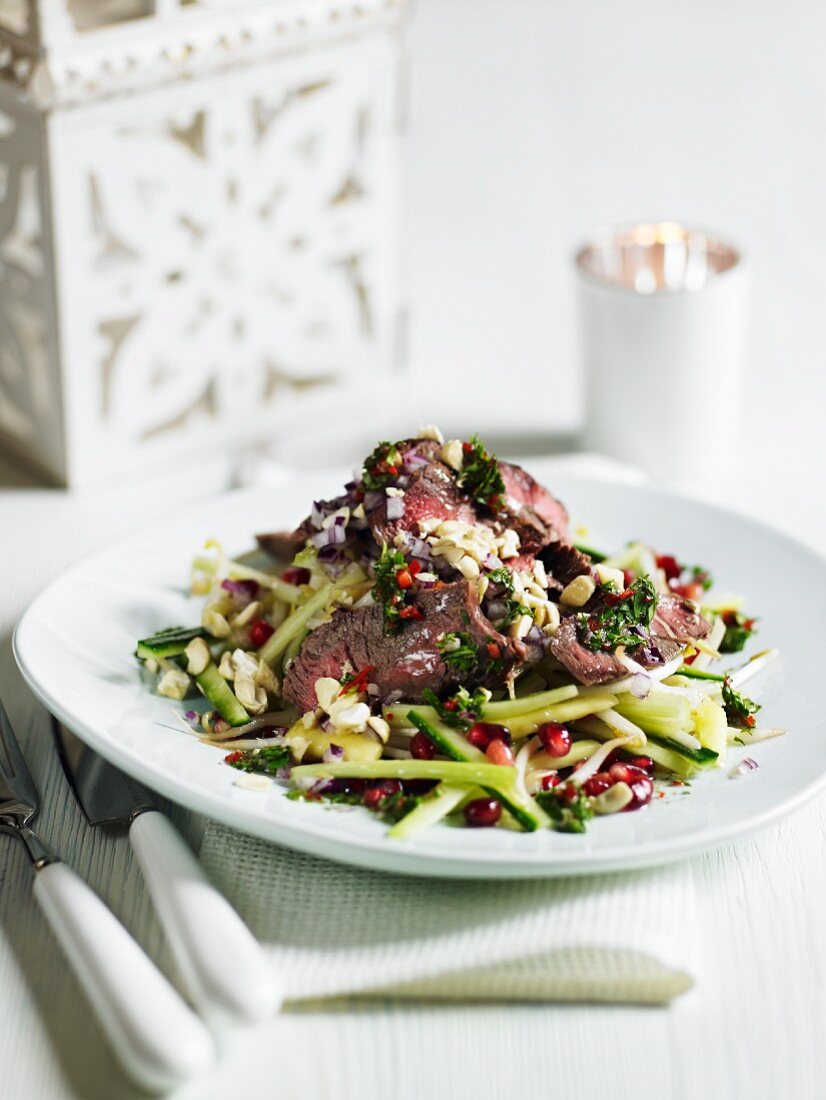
pixel 154 1035
pixel 223 967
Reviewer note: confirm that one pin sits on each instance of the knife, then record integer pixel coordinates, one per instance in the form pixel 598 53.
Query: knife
pixel 155 1037
pixel 222 966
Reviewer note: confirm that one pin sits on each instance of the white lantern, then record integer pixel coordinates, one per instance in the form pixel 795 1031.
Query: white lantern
pixel 197 220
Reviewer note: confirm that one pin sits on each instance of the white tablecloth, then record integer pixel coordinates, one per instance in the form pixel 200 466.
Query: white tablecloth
pixel 754 1029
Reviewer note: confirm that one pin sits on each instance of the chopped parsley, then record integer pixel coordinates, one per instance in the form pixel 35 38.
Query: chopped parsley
pixel 381 467
pixel 568 807
pixel 458 651
pixel 699 575
pixel 513 608
pixel 624 618
pixel 740 711
pixel 266 761
pixel 395 587
pixel 480 475
pixel 461 709
pixel 738 631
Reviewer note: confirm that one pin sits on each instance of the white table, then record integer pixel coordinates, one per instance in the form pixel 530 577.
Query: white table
pixel 756 1027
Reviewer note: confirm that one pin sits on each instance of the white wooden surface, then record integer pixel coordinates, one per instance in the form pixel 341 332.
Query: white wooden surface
pixel 753 1028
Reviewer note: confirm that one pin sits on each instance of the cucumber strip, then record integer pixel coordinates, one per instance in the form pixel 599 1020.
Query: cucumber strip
pixel 168 643
pixel 294 626
pixel 221 695
pixel 513 708
pixel 568 711
pixel 437 805
pixel 453 744
pixel 285 591
pixel 698 674
pixel 702 757
pixel 448 740
pixel 499 780
pixel 665 713
pixel 596 556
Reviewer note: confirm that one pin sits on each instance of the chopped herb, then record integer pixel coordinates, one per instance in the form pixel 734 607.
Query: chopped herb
pixel 596 556
pixel 382 467
pixel 739 741
pixel 357 682
pixel 624 618
pixel 395 587
pixel 699 575
pixel 461 709
pixel 568 807
pixel 266 761
pixel 740 711
pixel 458 651
pixel 513 608
pixel 738 631
pixel 480 476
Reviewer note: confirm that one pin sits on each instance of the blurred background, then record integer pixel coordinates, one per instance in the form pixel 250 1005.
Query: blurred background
pixel 442 162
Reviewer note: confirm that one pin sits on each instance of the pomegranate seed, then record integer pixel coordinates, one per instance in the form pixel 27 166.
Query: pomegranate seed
pixel 548 782
pixel 499 753
pixel 375 795
pixel 670 566
pixel 296 575
pixel 626 773
pixel 481 734
pixel 597 784
pixel 260 632
pixel 421 747
pixel 644 762
pixel 555 738
pixel 481 813
pixel 642 790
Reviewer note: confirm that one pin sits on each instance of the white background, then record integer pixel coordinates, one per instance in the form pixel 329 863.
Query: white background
pixel 532 121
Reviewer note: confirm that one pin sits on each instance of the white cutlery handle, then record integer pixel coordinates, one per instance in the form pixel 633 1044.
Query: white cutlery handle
pixel 155 1037
pixel 222 965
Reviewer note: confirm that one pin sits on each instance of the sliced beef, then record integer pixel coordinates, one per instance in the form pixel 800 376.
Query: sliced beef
pixel 431 493
pixel 584 664
pixel 676 622
pixel 404 663
pixel 564 562
pixel 538 517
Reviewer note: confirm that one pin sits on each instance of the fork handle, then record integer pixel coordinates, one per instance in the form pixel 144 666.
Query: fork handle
pixel 155 1037
pixel 224 969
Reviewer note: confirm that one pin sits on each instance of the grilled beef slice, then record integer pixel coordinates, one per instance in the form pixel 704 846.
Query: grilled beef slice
pixel 676 622
pixel 538 517
pixel 432 493
pixel 403 664
pixel 564 562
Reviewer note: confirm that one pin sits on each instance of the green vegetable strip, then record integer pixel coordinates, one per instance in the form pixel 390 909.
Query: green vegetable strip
pixel 290 593
pixel 662 712
pixel 435 806
pixel 562 712
pixel 294 626
pixel 580 750
pixel 596 556
pixel 168 643
pixel 494 777
pixel 698 674
pixel 220 694
pixel 681 766
pixel 513 708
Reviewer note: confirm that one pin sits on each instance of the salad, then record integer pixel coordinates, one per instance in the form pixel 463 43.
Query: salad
pixel 433 644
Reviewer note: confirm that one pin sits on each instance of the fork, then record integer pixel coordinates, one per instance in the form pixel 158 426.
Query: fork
pixel 158 1041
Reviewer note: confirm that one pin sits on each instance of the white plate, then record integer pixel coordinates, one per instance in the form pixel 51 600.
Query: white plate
pixel 75 643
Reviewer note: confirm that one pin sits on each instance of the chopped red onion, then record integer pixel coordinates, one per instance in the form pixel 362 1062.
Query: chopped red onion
pixel 412 460
pixel 535 635
pixel 340 521
pixel 332 754
pixel 372 500
pixel 493 561
pixel 330 536
pixel 743 768
pixel 242 592
pixel 316 514
pixel 395 507
pixel 329 555
pixel 191 715
pixel 640 686
pixel 417 547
